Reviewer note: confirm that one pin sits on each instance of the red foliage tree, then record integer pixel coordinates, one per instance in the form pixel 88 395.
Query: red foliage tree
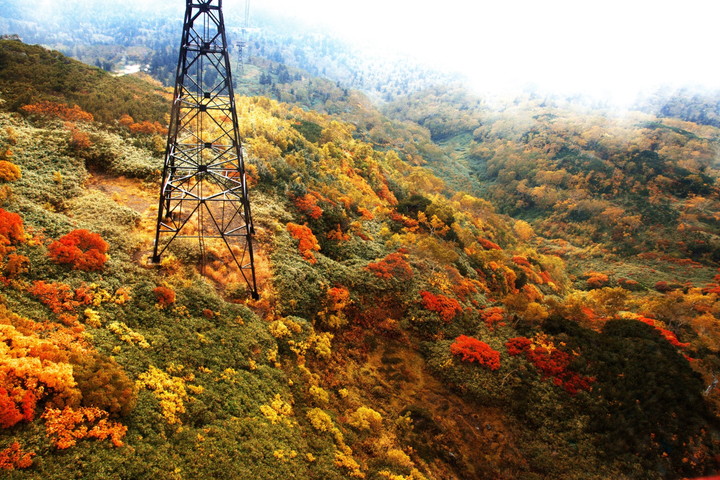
pixel 392 266
pixel 10 414
pixel 81 249
pixel 444 306
pixel 473 350
pixel 11 228
pixel 518 345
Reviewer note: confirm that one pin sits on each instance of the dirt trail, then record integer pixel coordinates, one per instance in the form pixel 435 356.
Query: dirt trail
pixel 129 192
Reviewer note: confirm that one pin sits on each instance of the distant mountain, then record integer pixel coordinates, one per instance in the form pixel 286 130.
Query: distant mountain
pixel 698 106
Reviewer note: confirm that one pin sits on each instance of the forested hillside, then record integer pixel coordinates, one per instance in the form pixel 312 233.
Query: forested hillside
pixel 553 317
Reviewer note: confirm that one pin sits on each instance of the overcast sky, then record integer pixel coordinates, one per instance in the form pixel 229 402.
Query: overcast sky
pixel 609 47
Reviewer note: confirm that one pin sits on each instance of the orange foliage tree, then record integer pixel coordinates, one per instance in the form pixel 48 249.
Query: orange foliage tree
pixel 335 303
pixel 307 204
pixel 9 172
pixel 52 109
pixel 79 140
pixel 65 427
pixel 147 128
pixel 596 279
pixel 11 234
pixel 307 241
pixel 59 297
pixel 13 457
pixel 125 120
pixel 165 296
pixel 81 249
pixel 337 234
pixel 473 350
pixel 32 369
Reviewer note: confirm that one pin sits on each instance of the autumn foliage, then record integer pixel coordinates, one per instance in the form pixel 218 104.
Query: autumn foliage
pixel 493 316
pixel 79 140
pixel 165 296
pixel 13 457
pixel 81 249
pixel 666 334
pixel 444 306
pixel 13 411
pixel 551 362
pixel 58 297
pixel 11 228
pixel 147 128
pixel 9 172
pixel 69 425
pixel 596 279
pixel 59 110
pixel 307 241
pixel 394 265
pixel 488 245
pixel 473 350
pixel 307 204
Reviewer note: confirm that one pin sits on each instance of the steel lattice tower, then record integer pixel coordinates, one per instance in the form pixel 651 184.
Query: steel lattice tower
pixel 203 193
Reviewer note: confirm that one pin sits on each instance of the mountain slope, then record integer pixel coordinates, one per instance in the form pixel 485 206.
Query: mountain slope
pixel 405 330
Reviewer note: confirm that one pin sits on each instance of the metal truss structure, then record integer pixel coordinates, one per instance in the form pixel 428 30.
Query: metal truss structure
pixel 203 194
